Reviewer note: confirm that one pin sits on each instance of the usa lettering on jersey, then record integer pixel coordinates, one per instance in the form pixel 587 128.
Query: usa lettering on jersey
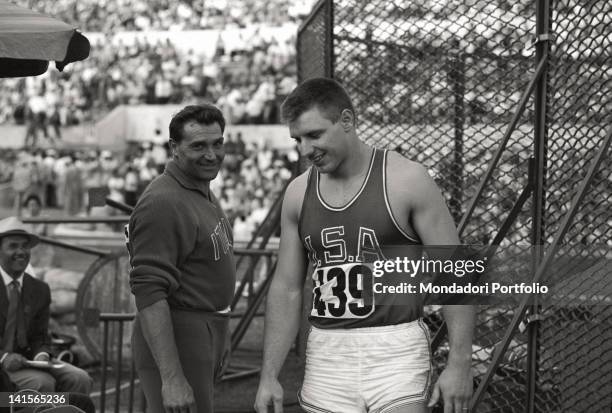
pixel 335 251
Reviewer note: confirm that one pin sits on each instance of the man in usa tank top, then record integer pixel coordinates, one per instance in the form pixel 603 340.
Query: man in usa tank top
pixel 355 205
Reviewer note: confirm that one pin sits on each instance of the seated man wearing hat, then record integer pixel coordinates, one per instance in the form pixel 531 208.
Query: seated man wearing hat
pixel 24 319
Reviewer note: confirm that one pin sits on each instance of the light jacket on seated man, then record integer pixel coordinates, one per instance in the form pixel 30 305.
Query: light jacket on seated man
pixel 24 318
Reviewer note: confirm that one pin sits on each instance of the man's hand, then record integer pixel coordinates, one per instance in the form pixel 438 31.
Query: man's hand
pixel 177 396
pixel 270 392
pixel 13 362
pixel 456 387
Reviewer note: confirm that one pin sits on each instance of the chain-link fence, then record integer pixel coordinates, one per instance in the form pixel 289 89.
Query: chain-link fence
pixel 314 41
pixel 442 82
pixel 576 339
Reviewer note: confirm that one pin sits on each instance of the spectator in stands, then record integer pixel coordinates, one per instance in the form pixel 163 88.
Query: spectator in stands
pixel 109 163
pixel 92 175
pixel 264 157
pixel 243 228
pixel 73 187
pixel 32 209
pixel 163 89
pixel 23 180
pixel 231 155
pixel 59 170
pixel 36 119
pixel 116 186
pixel 131 185
pixel 159 154
pixel 259 209
pixel 55 120
pixel 49 178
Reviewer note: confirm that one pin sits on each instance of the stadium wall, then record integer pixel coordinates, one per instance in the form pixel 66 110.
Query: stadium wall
pixel 140 123
pixel 144 123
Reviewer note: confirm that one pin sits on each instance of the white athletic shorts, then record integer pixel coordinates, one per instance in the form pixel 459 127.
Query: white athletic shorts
pixel 371 370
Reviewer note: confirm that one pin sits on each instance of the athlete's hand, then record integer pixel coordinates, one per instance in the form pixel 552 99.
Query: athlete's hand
pixel 177 396
pixel 455 386
pixel 270 392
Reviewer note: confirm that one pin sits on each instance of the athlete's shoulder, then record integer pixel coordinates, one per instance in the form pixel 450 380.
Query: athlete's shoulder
pixel 294 195
pixel 405 170
pixel 299 183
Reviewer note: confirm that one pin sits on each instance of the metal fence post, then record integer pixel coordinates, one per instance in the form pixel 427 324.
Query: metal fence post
pixel 457 79
pixel 329 38
pixel 315 43
pixel 543 26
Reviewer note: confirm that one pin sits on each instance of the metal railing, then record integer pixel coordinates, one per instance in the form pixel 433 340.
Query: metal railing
pixel 117 367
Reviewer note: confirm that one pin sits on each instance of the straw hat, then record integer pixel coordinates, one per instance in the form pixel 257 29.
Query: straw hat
pixel 13 226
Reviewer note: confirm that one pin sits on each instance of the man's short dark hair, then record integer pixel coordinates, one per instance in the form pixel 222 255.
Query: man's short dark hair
pixel 205 114
pixel 326 94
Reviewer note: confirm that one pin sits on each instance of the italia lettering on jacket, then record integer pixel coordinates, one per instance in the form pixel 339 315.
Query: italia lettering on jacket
pixel 221 238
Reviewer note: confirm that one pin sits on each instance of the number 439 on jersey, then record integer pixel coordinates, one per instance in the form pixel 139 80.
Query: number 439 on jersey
pixel 343 291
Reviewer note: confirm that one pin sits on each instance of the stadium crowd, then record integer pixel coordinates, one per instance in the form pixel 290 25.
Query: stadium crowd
pixel 247 78
pixel 128 15
pixel 248 85
pixel 249 181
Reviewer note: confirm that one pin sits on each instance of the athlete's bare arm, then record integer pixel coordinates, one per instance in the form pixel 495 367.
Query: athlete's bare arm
pixel 284 300
pixel 421 207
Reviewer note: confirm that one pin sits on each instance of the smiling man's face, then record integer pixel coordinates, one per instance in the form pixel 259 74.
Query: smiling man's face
pixel 200 151
pixel 321 141
pixel 15 254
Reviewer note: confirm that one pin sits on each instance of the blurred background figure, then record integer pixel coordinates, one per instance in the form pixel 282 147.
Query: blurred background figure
pixel 23 180
pixel 36 119
pixel 73 189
